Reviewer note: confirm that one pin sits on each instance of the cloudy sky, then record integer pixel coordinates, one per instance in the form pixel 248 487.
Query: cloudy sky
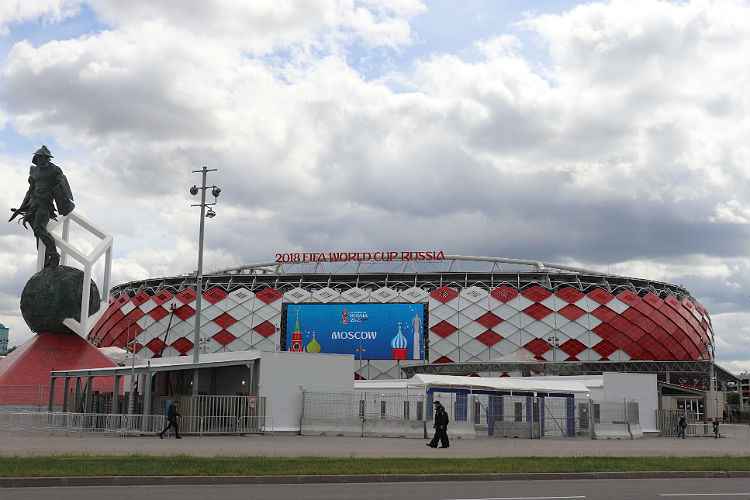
pixel 612 135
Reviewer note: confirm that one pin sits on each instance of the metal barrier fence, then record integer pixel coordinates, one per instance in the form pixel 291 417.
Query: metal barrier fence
pixel 126 424
pixel 667 422
pixel 362 405
pixel 373 413
pixel 81 422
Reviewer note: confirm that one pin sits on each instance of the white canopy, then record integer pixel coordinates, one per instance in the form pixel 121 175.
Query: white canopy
pixel 509 384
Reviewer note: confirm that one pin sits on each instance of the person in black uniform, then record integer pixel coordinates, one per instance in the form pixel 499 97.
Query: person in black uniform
pixel 441 427
pixel 172 415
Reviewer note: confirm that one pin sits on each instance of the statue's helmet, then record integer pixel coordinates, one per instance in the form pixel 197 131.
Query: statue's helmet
pixel 43 151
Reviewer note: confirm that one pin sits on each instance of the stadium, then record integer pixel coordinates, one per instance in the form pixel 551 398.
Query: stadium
pixel 403 313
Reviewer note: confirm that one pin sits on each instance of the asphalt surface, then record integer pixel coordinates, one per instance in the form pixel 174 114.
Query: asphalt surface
pixel 44 443
pixel 644 489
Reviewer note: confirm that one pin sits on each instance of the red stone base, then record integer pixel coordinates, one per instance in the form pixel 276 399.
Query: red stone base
pixel 24 374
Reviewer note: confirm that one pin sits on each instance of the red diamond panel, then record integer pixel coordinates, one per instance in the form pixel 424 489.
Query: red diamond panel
pixel 571 312
pixel 639 319
pixel 158 313
pixel 140 298
pixel 444 294
pixel 570 294
pixel 636 352
pixel 182 345
pixel 443 359
pixel 489 338
pixel 604 348
pixel 162 297
pixel 504 293
pixel 156 345
pixel 224 320
pixel 537 311
pixel 184 312
pixel 573 347
pixel 600 295
pixel 266 329
pixel 652 300
pixel 268 295
pixel 604 314
pixel 186 296
pixel 224 337
pixel 215 295
pixel 489 320
pixel 121 299
pixel 628 297
pixel 537 347
pixel 444 329
pixel 536 293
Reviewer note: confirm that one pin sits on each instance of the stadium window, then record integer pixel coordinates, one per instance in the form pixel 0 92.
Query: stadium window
pixel 518 412
pixel 420 410
pixel 406 410
pixel 597 412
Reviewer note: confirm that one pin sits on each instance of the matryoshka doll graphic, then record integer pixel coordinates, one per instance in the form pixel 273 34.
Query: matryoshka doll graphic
pixel 399 345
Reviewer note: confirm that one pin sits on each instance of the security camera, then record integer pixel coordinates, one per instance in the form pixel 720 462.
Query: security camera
pixel 216 191
pixel 194 190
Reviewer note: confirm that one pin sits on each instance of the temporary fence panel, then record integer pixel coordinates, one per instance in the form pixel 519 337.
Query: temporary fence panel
pixel 363 413
pixel 219 414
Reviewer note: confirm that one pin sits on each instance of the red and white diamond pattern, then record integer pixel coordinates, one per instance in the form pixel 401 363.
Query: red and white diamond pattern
pixel 234 321
pixel 465 324
pixel 506 323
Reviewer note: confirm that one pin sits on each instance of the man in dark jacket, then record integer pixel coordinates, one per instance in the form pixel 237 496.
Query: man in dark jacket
pixel 681 426
pixel 172 415
pixel 441 427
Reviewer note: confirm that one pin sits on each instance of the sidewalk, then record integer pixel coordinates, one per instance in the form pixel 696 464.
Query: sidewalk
pixel 26 444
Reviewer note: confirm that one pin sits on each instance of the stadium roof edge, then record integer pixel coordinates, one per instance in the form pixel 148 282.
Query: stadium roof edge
pixel 274 267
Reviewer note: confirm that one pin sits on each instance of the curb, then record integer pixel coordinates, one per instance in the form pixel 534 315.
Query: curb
pixel 48 482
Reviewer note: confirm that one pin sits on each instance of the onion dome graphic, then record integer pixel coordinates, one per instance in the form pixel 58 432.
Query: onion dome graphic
pixel 313 345
pixel 399 345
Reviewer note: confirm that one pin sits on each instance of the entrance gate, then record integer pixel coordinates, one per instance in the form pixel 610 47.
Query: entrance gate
pixel 524 416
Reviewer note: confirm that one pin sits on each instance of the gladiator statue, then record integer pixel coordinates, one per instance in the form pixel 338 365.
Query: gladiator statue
pixel 47 184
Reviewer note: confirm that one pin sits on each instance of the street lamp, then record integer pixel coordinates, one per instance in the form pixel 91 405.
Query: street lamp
pixel 215 191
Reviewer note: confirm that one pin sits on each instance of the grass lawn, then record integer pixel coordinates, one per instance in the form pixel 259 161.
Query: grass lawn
pixel 181 465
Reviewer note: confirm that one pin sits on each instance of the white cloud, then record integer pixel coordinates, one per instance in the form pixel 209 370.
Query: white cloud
pixel 627 152
pixel 263 26
pixel 51 11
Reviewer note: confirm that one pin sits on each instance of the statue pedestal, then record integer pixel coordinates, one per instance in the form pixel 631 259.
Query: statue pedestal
pixel 24 374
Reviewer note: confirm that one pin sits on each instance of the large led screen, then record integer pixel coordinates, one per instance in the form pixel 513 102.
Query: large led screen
pixel 368 331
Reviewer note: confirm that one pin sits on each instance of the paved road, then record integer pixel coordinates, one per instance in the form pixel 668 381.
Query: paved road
pixel 25 444
pixel 652 489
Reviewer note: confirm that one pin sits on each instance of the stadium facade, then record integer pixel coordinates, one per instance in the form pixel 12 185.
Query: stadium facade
pixel 450 314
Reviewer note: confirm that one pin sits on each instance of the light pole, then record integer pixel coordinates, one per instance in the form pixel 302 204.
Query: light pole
pixel 554 340
pixel 215 191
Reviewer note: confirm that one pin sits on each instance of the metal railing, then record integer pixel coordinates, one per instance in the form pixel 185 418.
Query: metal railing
pixel 124 425
pixel 363 405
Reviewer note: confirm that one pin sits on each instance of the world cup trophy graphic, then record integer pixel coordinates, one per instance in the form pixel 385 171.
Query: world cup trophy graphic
pixel 399 345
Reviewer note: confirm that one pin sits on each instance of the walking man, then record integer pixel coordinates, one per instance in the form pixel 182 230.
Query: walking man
pixel 441 427
pixel 681 426
pixel 172 415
